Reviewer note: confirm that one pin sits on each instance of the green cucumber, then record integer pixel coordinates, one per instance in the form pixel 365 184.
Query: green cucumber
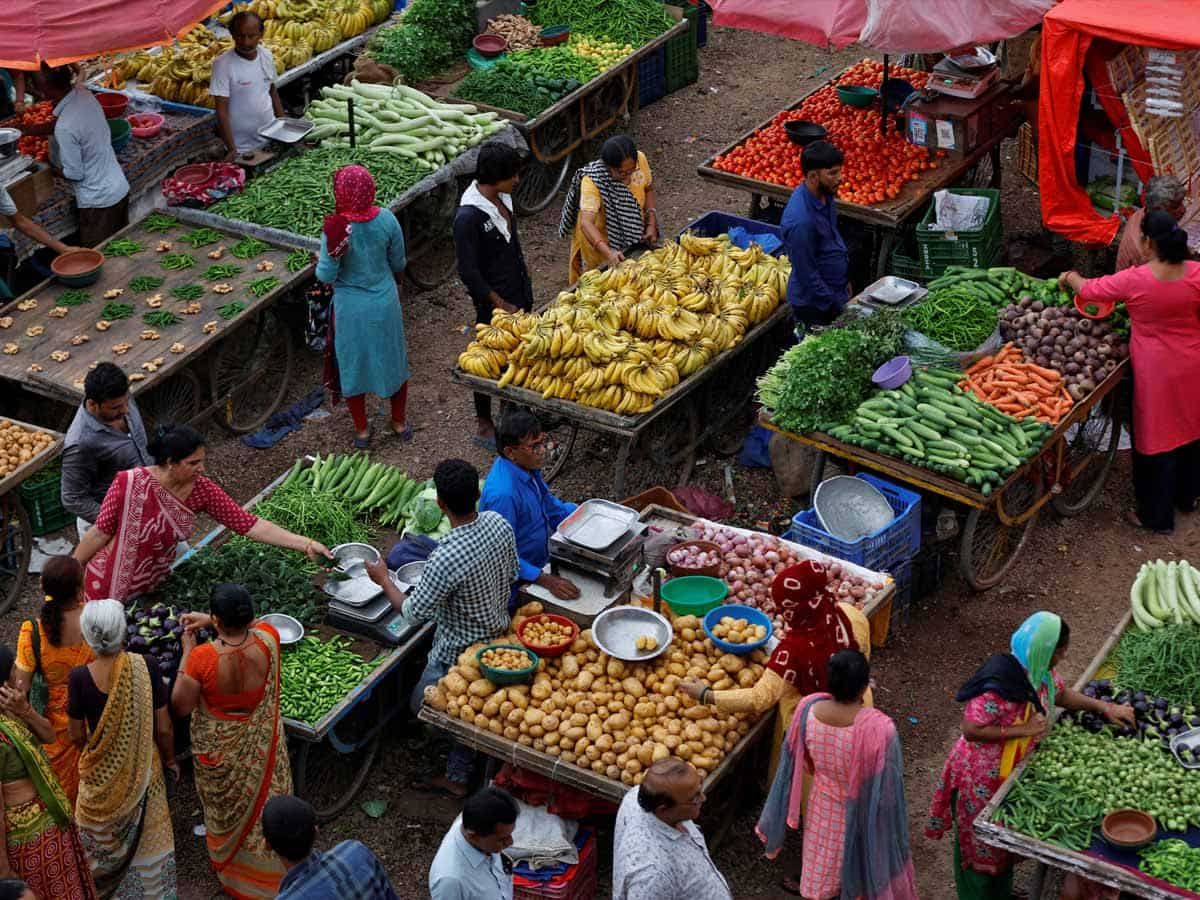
pixel 925 430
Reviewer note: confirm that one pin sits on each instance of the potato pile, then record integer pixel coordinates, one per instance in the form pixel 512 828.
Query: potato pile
pixel 606 715
pixel 506 659
pixel 19 445
pixel 547 632
pixel 738 631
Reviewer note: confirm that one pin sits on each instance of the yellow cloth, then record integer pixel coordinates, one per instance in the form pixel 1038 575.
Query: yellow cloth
pixel 1014 748
pixel 585 257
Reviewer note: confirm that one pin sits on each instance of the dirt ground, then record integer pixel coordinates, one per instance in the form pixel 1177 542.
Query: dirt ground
pixel 1080 568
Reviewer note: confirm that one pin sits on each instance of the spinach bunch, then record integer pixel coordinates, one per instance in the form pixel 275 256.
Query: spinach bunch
pixel 431 36
pixel 818 384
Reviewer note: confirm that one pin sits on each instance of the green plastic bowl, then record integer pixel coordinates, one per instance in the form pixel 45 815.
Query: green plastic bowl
pixel 694 595
pixel 508 676
pixel 121 133
pixel 856 94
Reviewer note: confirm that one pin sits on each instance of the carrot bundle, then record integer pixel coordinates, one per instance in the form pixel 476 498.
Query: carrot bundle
pixel 1017 387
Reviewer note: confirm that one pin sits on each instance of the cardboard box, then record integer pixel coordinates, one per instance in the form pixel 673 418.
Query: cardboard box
pixel 32 190
pixel 958 125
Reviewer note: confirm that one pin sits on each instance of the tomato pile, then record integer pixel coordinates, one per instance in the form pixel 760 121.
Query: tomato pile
pixel 876 167
pixel 36 146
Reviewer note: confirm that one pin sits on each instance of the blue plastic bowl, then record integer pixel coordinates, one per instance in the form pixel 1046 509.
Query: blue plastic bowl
pixel 737 611
pixel 893 373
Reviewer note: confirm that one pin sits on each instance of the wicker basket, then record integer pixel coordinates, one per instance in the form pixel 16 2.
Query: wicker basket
pixel 1027 152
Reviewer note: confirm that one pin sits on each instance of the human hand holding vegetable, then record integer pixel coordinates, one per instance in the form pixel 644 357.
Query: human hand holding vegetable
pixel 314 550
pixel 1035 727
pixel 693 687
pixel 1121 714
pixel 194 621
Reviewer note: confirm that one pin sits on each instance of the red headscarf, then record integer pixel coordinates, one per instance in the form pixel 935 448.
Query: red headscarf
pixel 814 627
pixel 354 201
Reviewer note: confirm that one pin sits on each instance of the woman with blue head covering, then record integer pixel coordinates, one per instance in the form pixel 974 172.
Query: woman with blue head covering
pixel 1009 700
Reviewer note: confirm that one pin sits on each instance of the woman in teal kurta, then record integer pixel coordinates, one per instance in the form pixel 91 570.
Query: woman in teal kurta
pixel 362 252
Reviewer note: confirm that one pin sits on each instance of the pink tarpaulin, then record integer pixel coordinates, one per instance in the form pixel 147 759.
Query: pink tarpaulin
pixel 63 31
pixel 928 26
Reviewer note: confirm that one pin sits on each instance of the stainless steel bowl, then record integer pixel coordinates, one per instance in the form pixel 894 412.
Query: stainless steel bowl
pixel 617 629
pixel 351 557
pixel 850 508
pixel 8 141
pixel 290 630
pixel 410 573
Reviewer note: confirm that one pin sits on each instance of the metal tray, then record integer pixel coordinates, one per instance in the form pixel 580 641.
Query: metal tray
pixel 1187 740
pixel 287 130
pixel 353 591
pixel 892 290
pixel 597 524
pixel 616 632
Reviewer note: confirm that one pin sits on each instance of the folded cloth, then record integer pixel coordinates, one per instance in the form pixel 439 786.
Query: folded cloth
pixel 285 421
pixel 542 839
pixel 743 238
pixel 521 870
pixel 413 548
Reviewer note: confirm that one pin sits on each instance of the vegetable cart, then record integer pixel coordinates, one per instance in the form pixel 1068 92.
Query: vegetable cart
pixel 1069 473
pixel 332 757
pixel 220 348
pixel 979 167
pixel 1052 857
pixel 16 536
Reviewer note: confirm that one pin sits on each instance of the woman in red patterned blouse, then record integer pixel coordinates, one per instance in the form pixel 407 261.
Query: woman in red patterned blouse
pixel 149 510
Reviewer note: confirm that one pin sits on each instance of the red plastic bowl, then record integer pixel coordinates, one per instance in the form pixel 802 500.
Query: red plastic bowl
pixel 114 105
pixel 146 125
pixel 1103 308
pixel 489 45
pixel 196 173
pixel 542 649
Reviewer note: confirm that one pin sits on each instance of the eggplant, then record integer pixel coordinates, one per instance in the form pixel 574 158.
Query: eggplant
pixel 138 644
pixel 1139 697
pixel 1090 691
pixel 177 631
pixel 131 630
pixel 160 610
pixel 1122 698
pixel 170 623
pixel 1162 703
pixel 1140 706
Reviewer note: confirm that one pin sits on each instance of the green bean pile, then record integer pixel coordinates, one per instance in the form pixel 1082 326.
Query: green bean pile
pixel 248 247
pixel 633 22
pixel 297 260
pixel 559 61
pixel 187 292
pixel 1040 810
pixel 177 262
pixel 323 516
pixel 74 297
pixel 1174 862
pixel 222 271
pixel 158 223
pixel 955 319
pixel 201 237
pixel 231 309
pixel 263 286
pixel 123 247
pixel 296 195
pixel 146 283
pixel 508 86
pixel 114 311
pixel 1163 661
pixel 316 675
pixel 161 318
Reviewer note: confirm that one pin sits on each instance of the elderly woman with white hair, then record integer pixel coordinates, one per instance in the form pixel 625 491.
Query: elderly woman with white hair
pixel 117 708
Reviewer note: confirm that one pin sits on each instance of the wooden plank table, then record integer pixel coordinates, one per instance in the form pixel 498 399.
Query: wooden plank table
pixel 16 536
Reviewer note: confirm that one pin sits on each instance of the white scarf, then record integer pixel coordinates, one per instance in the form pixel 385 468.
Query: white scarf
pixel 472 197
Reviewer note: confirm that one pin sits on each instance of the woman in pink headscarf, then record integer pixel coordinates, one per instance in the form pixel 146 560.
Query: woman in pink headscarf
pixel 366 324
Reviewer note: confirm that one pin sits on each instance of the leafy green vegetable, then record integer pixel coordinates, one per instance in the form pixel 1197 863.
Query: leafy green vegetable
pixel 633 22
pixel 319 515
pixel 431 36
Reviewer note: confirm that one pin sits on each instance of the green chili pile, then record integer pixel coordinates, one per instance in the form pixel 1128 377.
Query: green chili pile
pixel 158 223
pixel 1174 862
pixel 177 262
pixel 161 318
pixel 231 309
pixel 74 297
pixel 222 271
pixel 298 260
pixel 1040 810
pixel 248 247
pixel 320 515
pixel 316 675
pixel 633 22
pixel 187 292
pixel 114 311
pixel 201 237
pixel 262 286
pixel 122 247
pixel 954 318
pixel 145 283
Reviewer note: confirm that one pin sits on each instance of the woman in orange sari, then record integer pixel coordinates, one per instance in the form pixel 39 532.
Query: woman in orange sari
pixel 53 645
pixel 230 687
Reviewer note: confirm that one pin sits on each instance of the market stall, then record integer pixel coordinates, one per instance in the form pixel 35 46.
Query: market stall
pixel 1149 770
pixel 24 450
pixel 187 312
pixel 701 363
pixel 888 179
pixel 1000 430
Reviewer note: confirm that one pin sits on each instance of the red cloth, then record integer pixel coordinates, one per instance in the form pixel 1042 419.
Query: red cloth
pixel 147 523
pixel 223 179
pixel 358 408
pixel 1165 349
pixel 354 201
pixel 814 628
pixel 1068 33
pixel 558 798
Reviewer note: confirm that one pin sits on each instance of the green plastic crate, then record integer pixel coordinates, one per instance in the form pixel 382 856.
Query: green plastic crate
pixel 42 498
pixel 682 53
pixel 904 266
pixel 976 249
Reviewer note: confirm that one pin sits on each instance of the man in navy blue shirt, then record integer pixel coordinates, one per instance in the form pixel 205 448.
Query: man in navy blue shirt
pixel 819 285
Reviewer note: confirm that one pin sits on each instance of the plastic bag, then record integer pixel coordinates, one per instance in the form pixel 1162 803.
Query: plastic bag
pixel 925 351
pixel 959 212
pixel 931 27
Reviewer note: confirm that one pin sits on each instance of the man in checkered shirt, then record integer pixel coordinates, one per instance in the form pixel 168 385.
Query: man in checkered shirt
pixel 464 589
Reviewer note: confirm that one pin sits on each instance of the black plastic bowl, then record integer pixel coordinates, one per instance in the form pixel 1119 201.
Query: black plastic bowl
pixel 804 133
pixel 895 93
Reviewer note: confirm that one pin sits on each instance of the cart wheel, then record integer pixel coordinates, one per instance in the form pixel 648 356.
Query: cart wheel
pixel 989 547
pixel 666 450
pixel 985 173
pixel 329 780
pixel 540 183
pixel 175 401
pixel 560 441
pixel 429 222
pixel 1089 458
pixel 249 374
pixel 16 541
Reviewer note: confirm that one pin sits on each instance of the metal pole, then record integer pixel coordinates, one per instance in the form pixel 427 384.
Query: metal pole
pixel 883 98
pixel 350 110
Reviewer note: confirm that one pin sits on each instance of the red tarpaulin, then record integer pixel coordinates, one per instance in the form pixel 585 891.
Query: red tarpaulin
pixel 1068 34
pixel 928 26
pixel 63 31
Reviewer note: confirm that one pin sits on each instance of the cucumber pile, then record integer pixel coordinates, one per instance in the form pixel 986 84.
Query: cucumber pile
pixel 999 284
pixel 933 423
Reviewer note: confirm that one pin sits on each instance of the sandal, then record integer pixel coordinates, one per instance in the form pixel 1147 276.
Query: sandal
pixel 1132 518
pixel 791 884
pixel 441 785
pixel 404 435
pixel 362 443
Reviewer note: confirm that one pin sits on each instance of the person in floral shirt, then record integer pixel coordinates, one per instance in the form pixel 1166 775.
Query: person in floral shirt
pixel 1008 700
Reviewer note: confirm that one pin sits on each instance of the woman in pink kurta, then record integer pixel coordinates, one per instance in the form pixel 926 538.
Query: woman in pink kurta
pixel 1163 300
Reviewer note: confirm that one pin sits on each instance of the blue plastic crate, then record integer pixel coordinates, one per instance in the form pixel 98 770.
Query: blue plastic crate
pixel 898 542
pixel 902 574
pixel 652 77
pixel 714 223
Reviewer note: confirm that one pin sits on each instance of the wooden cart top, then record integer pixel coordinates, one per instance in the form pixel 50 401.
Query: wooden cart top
pixel 568 773
pixel 602 419
pixel 944 485
pixel 1089 867
pixel 26 470
pixel 890 213
pixel 64 381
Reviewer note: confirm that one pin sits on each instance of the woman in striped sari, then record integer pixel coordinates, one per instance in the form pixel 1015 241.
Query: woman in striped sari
pixel 230 687
pixel 118 713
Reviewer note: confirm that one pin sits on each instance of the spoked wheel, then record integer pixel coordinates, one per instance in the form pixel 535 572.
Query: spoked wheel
pixel 329 780
pixel 985 173
pixel 560 441
pixel 727 409
pixel 16 542
pixel 1088 458
pixel 429 223
pixel 993 538
pixel 174 402
pixel 665 451
pixel 540 184
pixel 249 373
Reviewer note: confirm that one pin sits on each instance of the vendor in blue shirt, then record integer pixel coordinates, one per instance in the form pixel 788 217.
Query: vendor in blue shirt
pixel 819 285
pixel 515 489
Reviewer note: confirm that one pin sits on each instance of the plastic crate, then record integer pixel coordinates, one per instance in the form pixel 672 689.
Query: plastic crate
pixel 681 54
pixel 899 541
pixel 904 266
pixel 579 882
pixel 977 249
pixel 652 77
pixel 715 223
pixel 43 502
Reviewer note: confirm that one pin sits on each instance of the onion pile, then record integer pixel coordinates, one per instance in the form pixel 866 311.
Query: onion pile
pixel 749 564
pixel 691 558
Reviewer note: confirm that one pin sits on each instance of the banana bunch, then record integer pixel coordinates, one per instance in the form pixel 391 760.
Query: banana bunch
pixel 486 362
pixel 496 338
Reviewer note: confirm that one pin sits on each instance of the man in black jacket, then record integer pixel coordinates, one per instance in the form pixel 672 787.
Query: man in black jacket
pixel 490 261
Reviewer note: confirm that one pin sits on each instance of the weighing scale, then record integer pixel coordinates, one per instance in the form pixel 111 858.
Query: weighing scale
pixel 359 606
pixel 947 78
pixel 613 566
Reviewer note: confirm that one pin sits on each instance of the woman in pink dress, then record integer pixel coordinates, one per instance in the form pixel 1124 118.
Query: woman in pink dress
pixel 1163 300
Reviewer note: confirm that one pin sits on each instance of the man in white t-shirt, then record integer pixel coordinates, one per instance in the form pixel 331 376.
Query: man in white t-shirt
pixel 243 86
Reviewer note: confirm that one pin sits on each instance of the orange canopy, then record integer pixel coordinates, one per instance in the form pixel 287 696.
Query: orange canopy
pixel 63 31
